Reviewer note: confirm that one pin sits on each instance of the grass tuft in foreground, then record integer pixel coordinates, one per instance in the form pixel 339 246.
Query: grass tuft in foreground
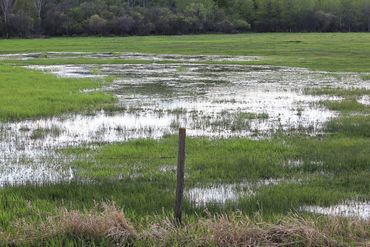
pixel 108 226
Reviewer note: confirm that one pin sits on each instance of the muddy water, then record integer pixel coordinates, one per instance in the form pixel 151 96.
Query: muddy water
pixel 155 99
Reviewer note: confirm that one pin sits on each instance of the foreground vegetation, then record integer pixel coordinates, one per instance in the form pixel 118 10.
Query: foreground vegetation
pixel 106 225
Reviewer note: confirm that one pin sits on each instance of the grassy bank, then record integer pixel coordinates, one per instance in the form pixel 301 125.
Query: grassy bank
pixel 324 51
pixel 27 94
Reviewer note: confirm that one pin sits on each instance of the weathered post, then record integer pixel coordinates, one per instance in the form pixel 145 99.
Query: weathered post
pixel 180 175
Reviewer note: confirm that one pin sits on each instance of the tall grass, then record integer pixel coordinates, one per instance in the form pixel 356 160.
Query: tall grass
pixel 110 227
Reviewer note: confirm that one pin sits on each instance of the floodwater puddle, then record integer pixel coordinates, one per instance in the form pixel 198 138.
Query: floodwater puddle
pixel 168 169
pixel 300 163
pixel 223 193
pixel 67 71
pixel 365 100
pixel 219 194
pixel 212 100
pixel 347 209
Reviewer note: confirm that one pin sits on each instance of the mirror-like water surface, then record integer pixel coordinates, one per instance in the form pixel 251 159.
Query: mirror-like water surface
pixel 223 193
pixel 347 209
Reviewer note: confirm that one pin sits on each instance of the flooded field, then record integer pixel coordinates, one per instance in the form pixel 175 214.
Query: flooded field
pixel 210 100
pixel 215 100
pixel 155 99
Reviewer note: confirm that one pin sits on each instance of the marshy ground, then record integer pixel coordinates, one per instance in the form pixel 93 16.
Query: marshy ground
pixel 266 137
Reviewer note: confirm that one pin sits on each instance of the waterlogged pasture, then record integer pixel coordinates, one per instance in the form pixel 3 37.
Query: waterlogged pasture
pixel 210 100
pixel 272 139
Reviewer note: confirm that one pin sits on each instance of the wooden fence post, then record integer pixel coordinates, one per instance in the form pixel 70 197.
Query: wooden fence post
pixel 180 175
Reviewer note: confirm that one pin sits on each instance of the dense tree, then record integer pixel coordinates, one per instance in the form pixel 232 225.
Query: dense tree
pixel 144 17
pixel 40 6
pixel 6 7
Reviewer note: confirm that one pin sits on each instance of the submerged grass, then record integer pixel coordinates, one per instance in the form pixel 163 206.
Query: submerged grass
pixel 41 133
pixel 349 103
pixel 28 94
pixel 351 126
pixel 346 106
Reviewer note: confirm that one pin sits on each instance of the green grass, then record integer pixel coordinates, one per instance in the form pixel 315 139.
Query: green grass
pixel 324 51
pixel 346 106
pixel 28 94
pixel 351 126
pixel 229 160
pixel 352 92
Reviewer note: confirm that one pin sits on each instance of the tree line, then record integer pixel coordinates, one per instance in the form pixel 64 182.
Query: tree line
pixel 30 18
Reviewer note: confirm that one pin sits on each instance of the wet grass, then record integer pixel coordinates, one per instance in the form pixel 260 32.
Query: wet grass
pixel 41 133
pixel 329 51
pixel 29 94
pixel 251 115
pixel 350 126
pixel 352 92
pixel 349 103
pixel 346 106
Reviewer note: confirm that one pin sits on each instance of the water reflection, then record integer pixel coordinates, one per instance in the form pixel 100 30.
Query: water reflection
pixel 347 209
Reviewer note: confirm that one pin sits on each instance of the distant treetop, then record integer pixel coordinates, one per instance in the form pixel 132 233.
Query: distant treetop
pixel 24 18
